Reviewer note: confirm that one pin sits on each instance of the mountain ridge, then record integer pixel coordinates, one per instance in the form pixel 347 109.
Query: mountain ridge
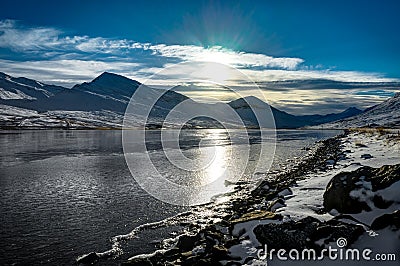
pixel 111 92
pixel 385 114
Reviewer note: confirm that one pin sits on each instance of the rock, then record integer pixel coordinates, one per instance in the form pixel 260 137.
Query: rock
pixel 333 230
pixel 330 162
pixel 285 193
pixel 186 242
pixel 88 259
pixel 341 190
pixel 173 252
pixel 219 252
pixel 306 233
pixel 256 215
pixel 187 254
pixel 366 156
pixel 276 204
pixel 139 262
pixel 289 235
pixel 387 220
pixel 360 145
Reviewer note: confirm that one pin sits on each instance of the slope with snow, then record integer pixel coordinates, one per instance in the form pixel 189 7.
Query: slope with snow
pixel 386 114
pixel 245 105
pixel 25 89
pixel 110 94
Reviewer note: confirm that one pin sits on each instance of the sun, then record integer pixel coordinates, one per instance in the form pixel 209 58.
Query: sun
pixel 218 64
pixel 216 72
pixel 217 54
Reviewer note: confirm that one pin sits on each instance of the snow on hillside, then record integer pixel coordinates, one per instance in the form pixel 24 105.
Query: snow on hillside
pixel 14 95
pixel 23 88
pixel 386 114
pixel 110 86
pixel 15 117
pixel 111 93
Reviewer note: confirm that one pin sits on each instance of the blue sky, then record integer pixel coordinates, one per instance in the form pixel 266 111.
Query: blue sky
pixel 73 41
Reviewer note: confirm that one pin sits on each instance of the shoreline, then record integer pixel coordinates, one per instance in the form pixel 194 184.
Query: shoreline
pixel 221 241
pixel 243 198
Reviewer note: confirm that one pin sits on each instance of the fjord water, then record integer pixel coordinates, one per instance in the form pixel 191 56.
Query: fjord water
pixel 66 193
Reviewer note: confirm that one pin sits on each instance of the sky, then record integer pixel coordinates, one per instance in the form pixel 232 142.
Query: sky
pixel 69 42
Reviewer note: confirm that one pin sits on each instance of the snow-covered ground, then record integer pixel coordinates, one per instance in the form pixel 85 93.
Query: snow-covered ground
pixel 306 199
pixel 16 117
pixel 307 196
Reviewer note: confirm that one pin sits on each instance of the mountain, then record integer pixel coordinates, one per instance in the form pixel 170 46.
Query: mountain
pixel 244 106
pixel 319 119
pixel 25 89
pixel 110 86
pixel 385 114
pixel 102 102
pixel 108 91
pixel 99 103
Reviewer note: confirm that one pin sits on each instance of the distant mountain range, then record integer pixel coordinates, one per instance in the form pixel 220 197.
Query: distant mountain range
pixel 385 114
pixel 26 103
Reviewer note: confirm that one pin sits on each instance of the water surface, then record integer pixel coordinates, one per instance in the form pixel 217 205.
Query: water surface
pixel 66 193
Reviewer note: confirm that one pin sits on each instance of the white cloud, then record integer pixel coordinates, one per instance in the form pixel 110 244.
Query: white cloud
pixel 50 40
pixel 65 72
pixel 56 58
pixel 225 56
pixel 343 76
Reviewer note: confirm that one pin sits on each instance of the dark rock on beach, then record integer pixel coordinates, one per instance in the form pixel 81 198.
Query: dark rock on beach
pixel 391 220
pixel 88 259
pixel 289 235
pixel 306 233
pixel 366 180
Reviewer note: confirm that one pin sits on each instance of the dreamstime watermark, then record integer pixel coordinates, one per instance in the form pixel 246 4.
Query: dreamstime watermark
pixel 157 116
pixel 339 253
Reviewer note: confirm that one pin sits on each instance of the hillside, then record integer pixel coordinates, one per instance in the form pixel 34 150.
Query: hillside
pixel 26 103
pixel 385 114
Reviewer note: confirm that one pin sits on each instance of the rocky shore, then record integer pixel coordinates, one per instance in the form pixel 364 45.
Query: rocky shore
pixel 348 200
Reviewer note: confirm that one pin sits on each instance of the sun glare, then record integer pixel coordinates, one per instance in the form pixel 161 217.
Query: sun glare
pixel 216 72
pixel 217 55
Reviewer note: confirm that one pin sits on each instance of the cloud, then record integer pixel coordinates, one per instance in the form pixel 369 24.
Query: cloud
pixel 53 56
pixel 377 92
pixel 27 40
pixel 50 40
pixel 340 76
pixel 46 43
pixel 225 56
pixel 327 101
pixel 65 72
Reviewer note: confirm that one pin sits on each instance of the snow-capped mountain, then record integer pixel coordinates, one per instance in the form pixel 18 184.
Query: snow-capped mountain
pixel 244 106
pixel 319 119
pixel 283 119
pixel 108 91
pixel 385 114
pixel 110 86
pixel 102 103
pixel 25 89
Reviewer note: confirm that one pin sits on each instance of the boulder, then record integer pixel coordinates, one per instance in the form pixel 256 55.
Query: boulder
pixel 391 220
pixel 366 156
pixel 256 215
pixel 332 230
pixel 88 259
pixel 187 242
pixel 306 233
pixel 289 235
pixel 350 192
